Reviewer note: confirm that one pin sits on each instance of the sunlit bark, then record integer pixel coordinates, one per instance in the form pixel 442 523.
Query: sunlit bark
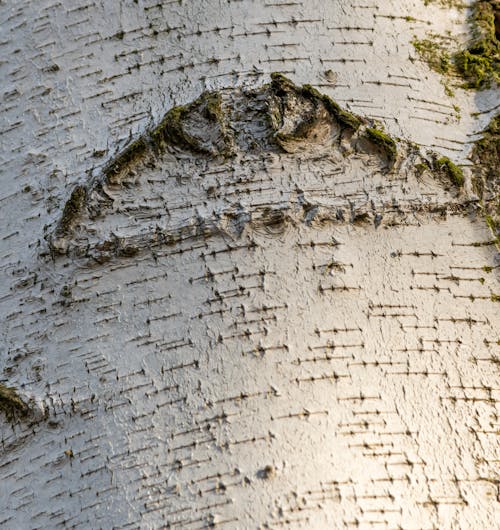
pixel 275 306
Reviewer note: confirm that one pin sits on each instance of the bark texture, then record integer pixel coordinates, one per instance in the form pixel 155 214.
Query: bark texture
pixel 229 300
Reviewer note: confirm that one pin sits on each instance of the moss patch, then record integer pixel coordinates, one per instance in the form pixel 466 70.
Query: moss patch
pixel 486 156
pixel 421 168
pixel 173 128
pixel 282 87
pixel 451 170
pixel 384 142
pixel 486 151
pixel 72 209
pixel 459 4
pixel 11 404
pixel 344 118
pixel 434 54
pixel 127 158
pixel 486 175
pixel 479 62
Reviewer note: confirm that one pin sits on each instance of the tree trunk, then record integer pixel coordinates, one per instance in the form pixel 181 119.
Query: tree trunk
pixel 257 309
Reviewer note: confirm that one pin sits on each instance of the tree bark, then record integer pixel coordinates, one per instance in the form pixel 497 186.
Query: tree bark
pixel 236 299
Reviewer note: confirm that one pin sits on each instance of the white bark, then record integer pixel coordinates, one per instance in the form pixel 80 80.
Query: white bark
pixel 295 336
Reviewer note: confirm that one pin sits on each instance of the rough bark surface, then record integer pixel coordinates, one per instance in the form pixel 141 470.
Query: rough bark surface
pixel 227 299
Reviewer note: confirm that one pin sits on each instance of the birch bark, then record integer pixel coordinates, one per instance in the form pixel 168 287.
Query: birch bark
pixel 259 315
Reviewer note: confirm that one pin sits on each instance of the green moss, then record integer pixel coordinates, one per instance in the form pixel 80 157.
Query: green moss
pixel 421 168
pixel 72 209
pixel 11 404
pixel 495 297
pixel 383 141
pixel 127 158
pixel 448 91
pixel 479 63
pixel 486 151
pixel 172 127
pixel 486 171
pixel 345 118
pixel 494 226
pixel 433 54
pixel 459 4
pixel 491 223
pixel 476 68
pixel 452 171
pixel 214 106
pixel 282 86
